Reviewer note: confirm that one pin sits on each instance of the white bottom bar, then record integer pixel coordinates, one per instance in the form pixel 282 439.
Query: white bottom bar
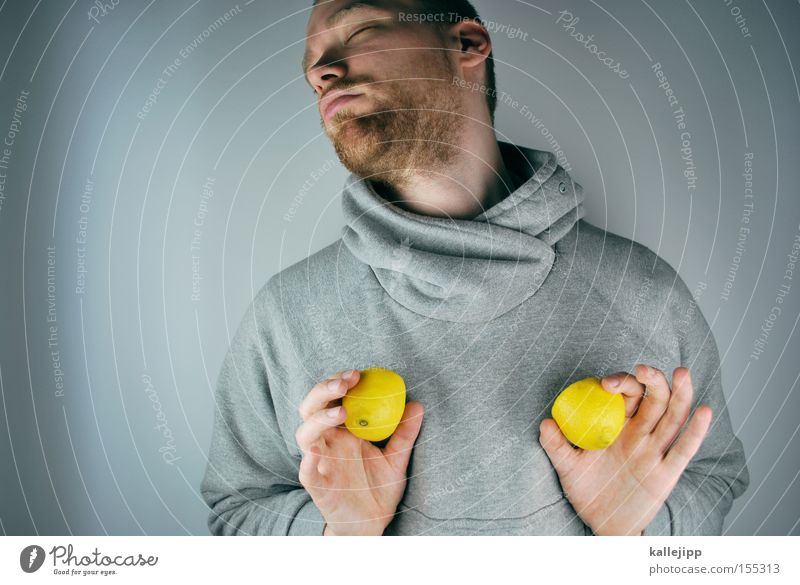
pixel 401 560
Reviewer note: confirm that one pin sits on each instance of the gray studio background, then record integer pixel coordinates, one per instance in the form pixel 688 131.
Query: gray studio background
pixel 159 222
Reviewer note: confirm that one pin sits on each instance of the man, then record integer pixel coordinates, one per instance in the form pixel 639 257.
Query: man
pixel 466 267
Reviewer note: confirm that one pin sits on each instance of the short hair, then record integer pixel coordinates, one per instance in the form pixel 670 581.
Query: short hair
pixel 458 10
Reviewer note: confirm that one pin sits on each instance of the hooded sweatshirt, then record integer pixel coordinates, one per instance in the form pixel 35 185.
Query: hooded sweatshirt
pixel 487 320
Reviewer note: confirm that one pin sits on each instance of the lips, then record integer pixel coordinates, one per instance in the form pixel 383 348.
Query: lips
pixel 332 104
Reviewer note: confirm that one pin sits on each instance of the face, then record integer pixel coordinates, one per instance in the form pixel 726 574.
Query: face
pixel 384 85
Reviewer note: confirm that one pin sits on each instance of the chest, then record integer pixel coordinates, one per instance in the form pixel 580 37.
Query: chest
pixel 486 388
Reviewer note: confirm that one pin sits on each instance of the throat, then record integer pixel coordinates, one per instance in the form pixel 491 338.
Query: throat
pixel 459 194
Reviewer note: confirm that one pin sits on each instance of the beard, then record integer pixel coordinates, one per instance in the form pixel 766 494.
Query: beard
pixel 413 127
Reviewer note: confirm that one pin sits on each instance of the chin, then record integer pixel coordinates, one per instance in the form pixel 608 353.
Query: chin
pixel 385 144
pixel 357 137
pixel 344 126
pixel 350 122
pixel 361 157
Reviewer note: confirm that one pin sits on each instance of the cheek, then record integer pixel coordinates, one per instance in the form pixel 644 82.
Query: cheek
pixel 399 57
pixel 376 63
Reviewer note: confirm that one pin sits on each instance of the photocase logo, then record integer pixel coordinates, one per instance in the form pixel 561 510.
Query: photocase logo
pixel 31 558
pixel 401 255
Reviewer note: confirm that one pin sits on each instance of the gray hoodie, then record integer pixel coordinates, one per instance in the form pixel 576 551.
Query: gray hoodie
pixel 487 320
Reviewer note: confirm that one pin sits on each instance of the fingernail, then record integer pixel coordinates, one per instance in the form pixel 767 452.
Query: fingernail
pixel 613 382
pixel 333 385
pixel 334 412
pixel 349 374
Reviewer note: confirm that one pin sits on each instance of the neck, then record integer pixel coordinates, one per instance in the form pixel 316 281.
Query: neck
pixel 475 180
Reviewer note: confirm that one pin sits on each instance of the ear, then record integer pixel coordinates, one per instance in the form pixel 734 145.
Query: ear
pixel 474 44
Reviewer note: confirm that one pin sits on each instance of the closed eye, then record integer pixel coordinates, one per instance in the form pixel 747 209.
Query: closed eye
pixel 359 31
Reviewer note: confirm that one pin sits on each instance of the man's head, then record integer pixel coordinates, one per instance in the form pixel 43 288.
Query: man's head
pixel 386 74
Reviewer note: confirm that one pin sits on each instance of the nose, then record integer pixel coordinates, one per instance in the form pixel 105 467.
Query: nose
pixel 327 71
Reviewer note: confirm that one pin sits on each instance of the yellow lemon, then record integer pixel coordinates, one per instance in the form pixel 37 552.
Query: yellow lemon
pixel 588 415
pixel 376 404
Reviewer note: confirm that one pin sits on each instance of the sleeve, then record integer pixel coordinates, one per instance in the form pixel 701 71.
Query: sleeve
pixel 251 482
pixel 718 472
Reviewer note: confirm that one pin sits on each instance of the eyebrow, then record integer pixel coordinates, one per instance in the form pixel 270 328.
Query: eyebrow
pixel 336 18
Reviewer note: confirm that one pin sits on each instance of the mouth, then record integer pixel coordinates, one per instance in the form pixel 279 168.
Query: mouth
pixel 332 104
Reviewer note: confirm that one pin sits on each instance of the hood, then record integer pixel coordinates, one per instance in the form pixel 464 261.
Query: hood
pixel 466 270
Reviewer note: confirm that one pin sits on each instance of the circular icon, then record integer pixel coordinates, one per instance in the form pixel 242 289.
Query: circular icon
pixel 31 558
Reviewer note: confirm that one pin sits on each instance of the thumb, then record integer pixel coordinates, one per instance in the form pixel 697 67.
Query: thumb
pixel 555 444
pixel 398 449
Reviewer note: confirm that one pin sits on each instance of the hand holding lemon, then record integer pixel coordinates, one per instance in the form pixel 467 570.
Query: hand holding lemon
pixel 355 484
pixel 620 487
pixel 588 415
pixel 375 405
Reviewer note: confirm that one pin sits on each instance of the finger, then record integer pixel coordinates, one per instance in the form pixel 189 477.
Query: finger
pixel 555 444
pixel 398 449
pixel 680 404
pixel 653 407
pixel 625 384
pixel 687 445
pixel 311 430
pixel 309 474
pixel 327 391
pixel 325 465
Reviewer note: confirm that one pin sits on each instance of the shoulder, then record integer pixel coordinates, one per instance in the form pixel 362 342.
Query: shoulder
pixel 630 276
pixel 314 286
pixel 607 250
pixel 619 262
pixel 287 312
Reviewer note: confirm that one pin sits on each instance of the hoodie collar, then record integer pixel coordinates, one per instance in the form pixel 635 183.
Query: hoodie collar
pixel 466 270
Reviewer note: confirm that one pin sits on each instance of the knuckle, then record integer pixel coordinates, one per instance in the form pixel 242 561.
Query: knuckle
pixel 681 404
pixel 303 410
pixel 319 388
pixel 325 423
pixel 332 378
pixel 304 475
